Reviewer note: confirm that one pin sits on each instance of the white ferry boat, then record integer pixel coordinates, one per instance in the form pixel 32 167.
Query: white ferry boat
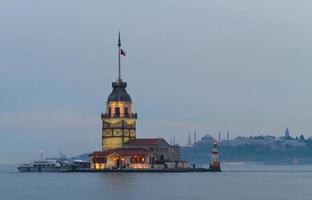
pixel 45 166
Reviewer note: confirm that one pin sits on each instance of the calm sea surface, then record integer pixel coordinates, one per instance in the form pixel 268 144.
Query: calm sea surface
pixel 237 182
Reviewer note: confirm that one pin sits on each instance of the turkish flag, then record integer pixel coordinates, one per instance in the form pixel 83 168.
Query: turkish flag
pixel 123 52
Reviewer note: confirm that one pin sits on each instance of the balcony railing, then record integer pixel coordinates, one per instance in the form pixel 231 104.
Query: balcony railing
pixel 127 115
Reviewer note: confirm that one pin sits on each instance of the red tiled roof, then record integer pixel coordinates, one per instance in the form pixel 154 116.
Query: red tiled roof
pixel 100 153
pixel 122 152
pixel 132 151
pixel 144 141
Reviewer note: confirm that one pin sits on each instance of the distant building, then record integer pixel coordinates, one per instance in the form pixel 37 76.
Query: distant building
pixel 287 134
pixel 207 139
pixel 273 142
pixel 294 143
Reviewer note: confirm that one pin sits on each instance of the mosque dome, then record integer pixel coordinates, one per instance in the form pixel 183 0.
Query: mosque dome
pixel 207 138
pixel 119 92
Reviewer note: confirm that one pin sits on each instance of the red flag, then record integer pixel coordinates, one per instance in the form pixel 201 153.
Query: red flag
pixel 123 52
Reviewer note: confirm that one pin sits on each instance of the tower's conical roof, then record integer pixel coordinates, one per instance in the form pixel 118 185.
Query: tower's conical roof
pixel 119 92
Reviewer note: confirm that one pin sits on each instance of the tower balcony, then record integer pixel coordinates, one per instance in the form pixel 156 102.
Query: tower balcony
pixel 126 115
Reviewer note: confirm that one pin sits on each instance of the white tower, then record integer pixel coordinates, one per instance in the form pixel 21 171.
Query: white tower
pixel 214 162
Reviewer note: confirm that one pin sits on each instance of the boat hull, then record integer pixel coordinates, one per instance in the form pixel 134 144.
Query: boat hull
pixel 44 169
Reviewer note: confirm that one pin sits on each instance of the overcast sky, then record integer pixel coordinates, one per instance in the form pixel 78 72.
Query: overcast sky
pixel 204 65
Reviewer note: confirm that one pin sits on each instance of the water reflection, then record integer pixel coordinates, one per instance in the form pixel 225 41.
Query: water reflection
pixel 285 182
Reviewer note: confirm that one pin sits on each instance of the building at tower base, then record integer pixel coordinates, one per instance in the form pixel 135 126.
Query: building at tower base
pixel 154 153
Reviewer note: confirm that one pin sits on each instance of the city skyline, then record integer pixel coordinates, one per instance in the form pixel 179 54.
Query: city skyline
pixel 202 66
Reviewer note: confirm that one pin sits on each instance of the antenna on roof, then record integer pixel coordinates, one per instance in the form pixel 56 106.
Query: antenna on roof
pixel 189 141
pixel 119 50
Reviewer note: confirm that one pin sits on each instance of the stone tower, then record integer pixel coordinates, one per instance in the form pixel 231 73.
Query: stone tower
pixel 119 120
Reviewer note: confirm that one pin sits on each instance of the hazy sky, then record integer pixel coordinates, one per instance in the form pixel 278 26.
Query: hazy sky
pixel 204 65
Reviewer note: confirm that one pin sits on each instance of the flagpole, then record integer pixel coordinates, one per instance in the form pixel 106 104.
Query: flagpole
pixel 119 46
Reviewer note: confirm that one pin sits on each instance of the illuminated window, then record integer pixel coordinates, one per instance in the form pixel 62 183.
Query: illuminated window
pixel 137 159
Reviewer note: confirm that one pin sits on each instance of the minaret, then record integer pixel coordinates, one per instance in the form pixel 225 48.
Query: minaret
pixel 119 120
pixel 219 137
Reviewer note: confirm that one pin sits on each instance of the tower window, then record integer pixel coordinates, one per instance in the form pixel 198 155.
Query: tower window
pixel 109 111
pixel 126 111
pixel 117 111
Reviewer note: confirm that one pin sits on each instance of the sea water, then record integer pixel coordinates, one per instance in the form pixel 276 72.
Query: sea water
pixel 238 181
